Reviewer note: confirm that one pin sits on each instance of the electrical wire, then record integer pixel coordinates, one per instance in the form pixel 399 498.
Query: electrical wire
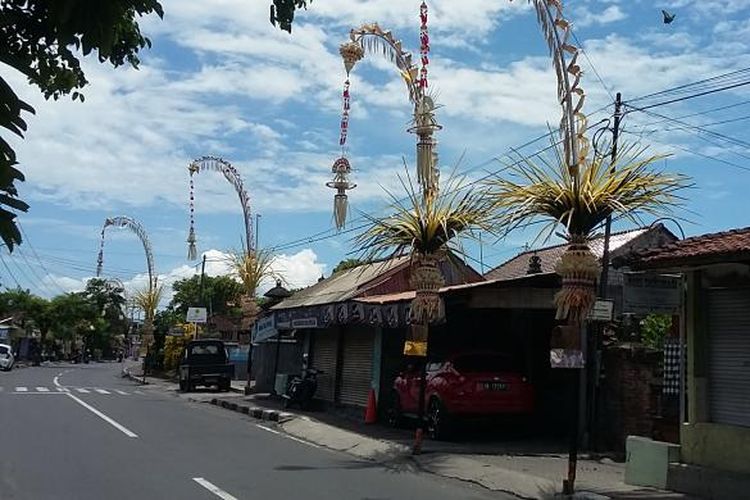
pixel 696 153
pixel 591 63
pixel 700 113
pixel 699 85
pixel 7 268
pixel 686 125
pixel 693 96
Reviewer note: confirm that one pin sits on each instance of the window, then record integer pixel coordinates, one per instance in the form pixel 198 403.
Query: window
pixel 202 350
pixel 4 350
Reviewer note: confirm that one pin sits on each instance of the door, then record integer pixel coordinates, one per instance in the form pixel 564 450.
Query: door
pixel 356 369
pixel 325 348
pixel 729 355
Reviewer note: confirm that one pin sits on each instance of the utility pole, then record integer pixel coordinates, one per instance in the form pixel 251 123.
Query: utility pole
pixel 200 290
pixel 593 341
pixel 604 280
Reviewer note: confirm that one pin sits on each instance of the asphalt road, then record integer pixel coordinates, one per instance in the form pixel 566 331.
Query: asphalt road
pixel 81 432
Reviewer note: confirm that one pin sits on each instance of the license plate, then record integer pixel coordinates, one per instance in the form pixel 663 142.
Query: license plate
pixel 494 386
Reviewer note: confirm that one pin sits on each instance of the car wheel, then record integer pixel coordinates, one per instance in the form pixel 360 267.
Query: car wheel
pixel 438 421
pixel 394 415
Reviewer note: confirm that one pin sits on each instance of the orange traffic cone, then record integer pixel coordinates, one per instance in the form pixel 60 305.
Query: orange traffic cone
pixel 371 415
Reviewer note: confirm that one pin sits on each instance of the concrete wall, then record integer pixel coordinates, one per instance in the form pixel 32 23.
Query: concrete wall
pixel 717 446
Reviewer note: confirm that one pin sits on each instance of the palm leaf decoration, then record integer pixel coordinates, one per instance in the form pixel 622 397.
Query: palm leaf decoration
pixel 148 300
pixel 428 231
pixel 546 191
pixel 252 268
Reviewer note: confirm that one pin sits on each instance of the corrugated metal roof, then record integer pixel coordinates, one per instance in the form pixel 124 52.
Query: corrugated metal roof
pixel 519 265
pixel 343 285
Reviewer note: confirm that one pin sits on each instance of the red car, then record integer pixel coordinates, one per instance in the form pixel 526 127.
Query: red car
pixel 470 384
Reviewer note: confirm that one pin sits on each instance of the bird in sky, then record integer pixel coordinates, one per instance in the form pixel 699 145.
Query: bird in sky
pixel 668 18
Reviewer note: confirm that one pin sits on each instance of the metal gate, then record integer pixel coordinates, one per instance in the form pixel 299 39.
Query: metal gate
pixel 729 358
pixel 325 348
pixel 356 368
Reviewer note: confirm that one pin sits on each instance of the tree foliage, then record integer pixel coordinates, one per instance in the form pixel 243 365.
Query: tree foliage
pixel 220 295
pixel 44 40
pixel 347 264
pixel 282 12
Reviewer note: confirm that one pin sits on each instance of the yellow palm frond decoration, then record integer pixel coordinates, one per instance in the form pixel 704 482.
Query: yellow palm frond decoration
pixel 252 268
pixel 427 230
pixel 148 300
pixel 579 201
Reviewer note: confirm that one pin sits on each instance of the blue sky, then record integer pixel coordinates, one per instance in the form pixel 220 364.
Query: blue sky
pixel 221 81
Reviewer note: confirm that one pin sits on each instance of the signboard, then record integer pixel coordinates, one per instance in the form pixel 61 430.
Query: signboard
pixel 196 315
pixel 565 348
pixel 646 293
pixel 305 323
pixel 176 331
pixel 603 310
pixel 265 328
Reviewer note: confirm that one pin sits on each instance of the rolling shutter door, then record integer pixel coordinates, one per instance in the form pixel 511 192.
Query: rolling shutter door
pixel 729 356
pixel 324 358
pixel 356 369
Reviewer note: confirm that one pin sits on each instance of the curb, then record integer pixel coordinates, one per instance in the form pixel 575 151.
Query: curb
pixel 139 380
pixel 254 411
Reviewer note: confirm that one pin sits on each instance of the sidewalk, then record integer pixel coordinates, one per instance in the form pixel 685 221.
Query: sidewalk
pixel 134 371
pixel 527 468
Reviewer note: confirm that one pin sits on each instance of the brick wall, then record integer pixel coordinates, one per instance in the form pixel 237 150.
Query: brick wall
pixel 628 395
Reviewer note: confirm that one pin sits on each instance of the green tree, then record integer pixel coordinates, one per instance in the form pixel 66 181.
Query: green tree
pixel 44 40
pixel 347 264
pixel 282 12
pixel 221 295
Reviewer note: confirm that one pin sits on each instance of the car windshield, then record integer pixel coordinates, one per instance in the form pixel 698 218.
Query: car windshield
pixel 203 350
pixel 473 363
pixel 3 349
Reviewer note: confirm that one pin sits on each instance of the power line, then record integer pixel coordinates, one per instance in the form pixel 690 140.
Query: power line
pixel 591 63
pixel 692 96
pixel 700 113
pixel 33 250
pixel 13 277
pixel 692 86
pixel 687 125
pixel 696 153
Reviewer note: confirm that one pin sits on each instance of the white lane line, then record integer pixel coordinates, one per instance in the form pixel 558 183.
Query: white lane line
pixel 42 389
pixel 82 390
pixel 121 392
pixel 27 393
pixel 63 389
pixel 22 389
pixel 102 391
pixel 138 392
pixel 104 417
pixel 274 431
pixel 214 489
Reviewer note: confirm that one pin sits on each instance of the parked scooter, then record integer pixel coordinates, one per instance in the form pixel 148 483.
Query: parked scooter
pixel 301 389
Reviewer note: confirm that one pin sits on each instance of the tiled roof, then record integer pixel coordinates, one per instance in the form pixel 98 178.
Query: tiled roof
pixel 519 265
pixel 727 246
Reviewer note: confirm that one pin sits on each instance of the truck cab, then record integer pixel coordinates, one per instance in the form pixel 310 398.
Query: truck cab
pixel 205 363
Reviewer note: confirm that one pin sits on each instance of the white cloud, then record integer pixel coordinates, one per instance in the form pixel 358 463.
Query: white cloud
pixel 585 17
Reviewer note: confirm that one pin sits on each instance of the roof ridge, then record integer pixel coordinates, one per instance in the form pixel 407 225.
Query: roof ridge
pixel 551 247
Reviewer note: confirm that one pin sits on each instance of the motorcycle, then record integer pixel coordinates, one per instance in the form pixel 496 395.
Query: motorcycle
pixel 301 389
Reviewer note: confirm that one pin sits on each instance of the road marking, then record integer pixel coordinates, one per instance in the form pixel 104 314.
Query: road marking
pixel 82 390
pixel 27 393
pixel 63 389
pixel 138 392
pixel 102 391
pixel 42 389
pixel 104 417
pixel 274 431
pixel 214 489
pixel 22 389
pixel 121 392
